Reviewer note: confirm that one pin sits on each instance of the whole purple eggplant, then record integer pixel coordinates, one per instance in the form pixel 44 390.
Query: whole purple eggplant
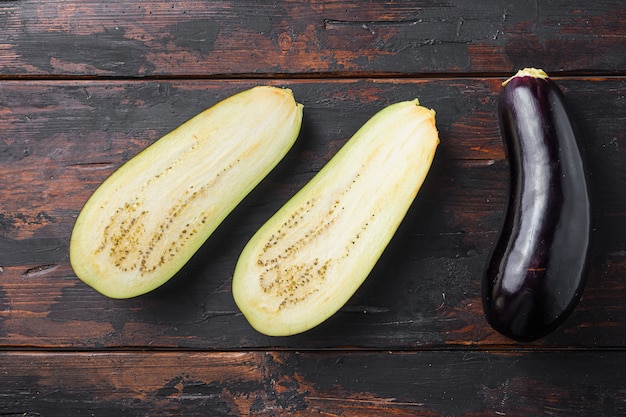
pixel 536 273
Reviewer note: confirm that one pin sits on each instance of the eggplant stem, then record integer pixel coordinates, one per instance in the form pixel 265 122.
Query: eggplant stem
pixel 528 72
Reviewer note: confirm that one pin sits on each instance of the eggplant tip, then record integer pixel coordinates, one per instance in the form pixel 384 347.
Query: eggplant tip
pixel 527 72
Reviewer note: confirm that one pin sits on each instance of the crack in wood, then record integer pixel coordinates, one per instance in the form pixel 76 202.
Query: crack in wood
pixel 365 24
pixel 39 270
pixel 92 165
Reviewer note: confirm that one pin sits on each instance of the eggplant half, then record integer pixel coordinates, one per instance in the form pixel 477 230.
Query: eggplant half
pixel 537 270
pixel 309 258
pixel 147 219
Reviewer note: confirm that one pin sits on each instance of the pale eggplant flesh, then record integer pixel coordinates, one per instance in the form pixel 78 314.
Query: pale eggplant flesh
pixel 147 219
pixel 309 258
pixel 537 271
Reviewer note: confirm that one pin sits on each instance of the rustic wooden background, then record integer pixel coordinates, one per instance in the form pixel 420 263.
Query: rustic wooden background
pixel 86 84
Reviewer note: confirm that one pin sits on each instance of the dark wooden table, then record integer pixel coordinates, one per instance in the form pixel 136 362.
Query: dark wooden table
pixel 86 84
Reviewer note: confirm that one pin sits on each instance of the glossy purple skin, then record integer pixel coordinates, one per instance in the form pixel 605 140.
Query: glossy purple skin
pixel 536 272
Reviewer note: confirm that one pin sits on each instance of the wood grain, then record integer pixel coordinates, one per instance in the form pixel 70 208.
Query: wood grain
pixel 87 84
pixel 348 383
pixel 133 38
pixel 65 138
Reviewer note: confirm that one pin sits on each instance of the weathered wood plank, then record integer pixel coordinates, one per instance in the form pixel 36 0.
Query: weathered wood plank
pixel 199 38
pixel 453 383
pixel 416 341
pixel 59 140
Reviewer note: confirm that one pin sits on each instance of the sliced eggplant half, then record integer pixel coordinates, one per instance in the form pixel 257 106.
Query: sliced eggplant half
pixel 152 214
pixel 306 262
